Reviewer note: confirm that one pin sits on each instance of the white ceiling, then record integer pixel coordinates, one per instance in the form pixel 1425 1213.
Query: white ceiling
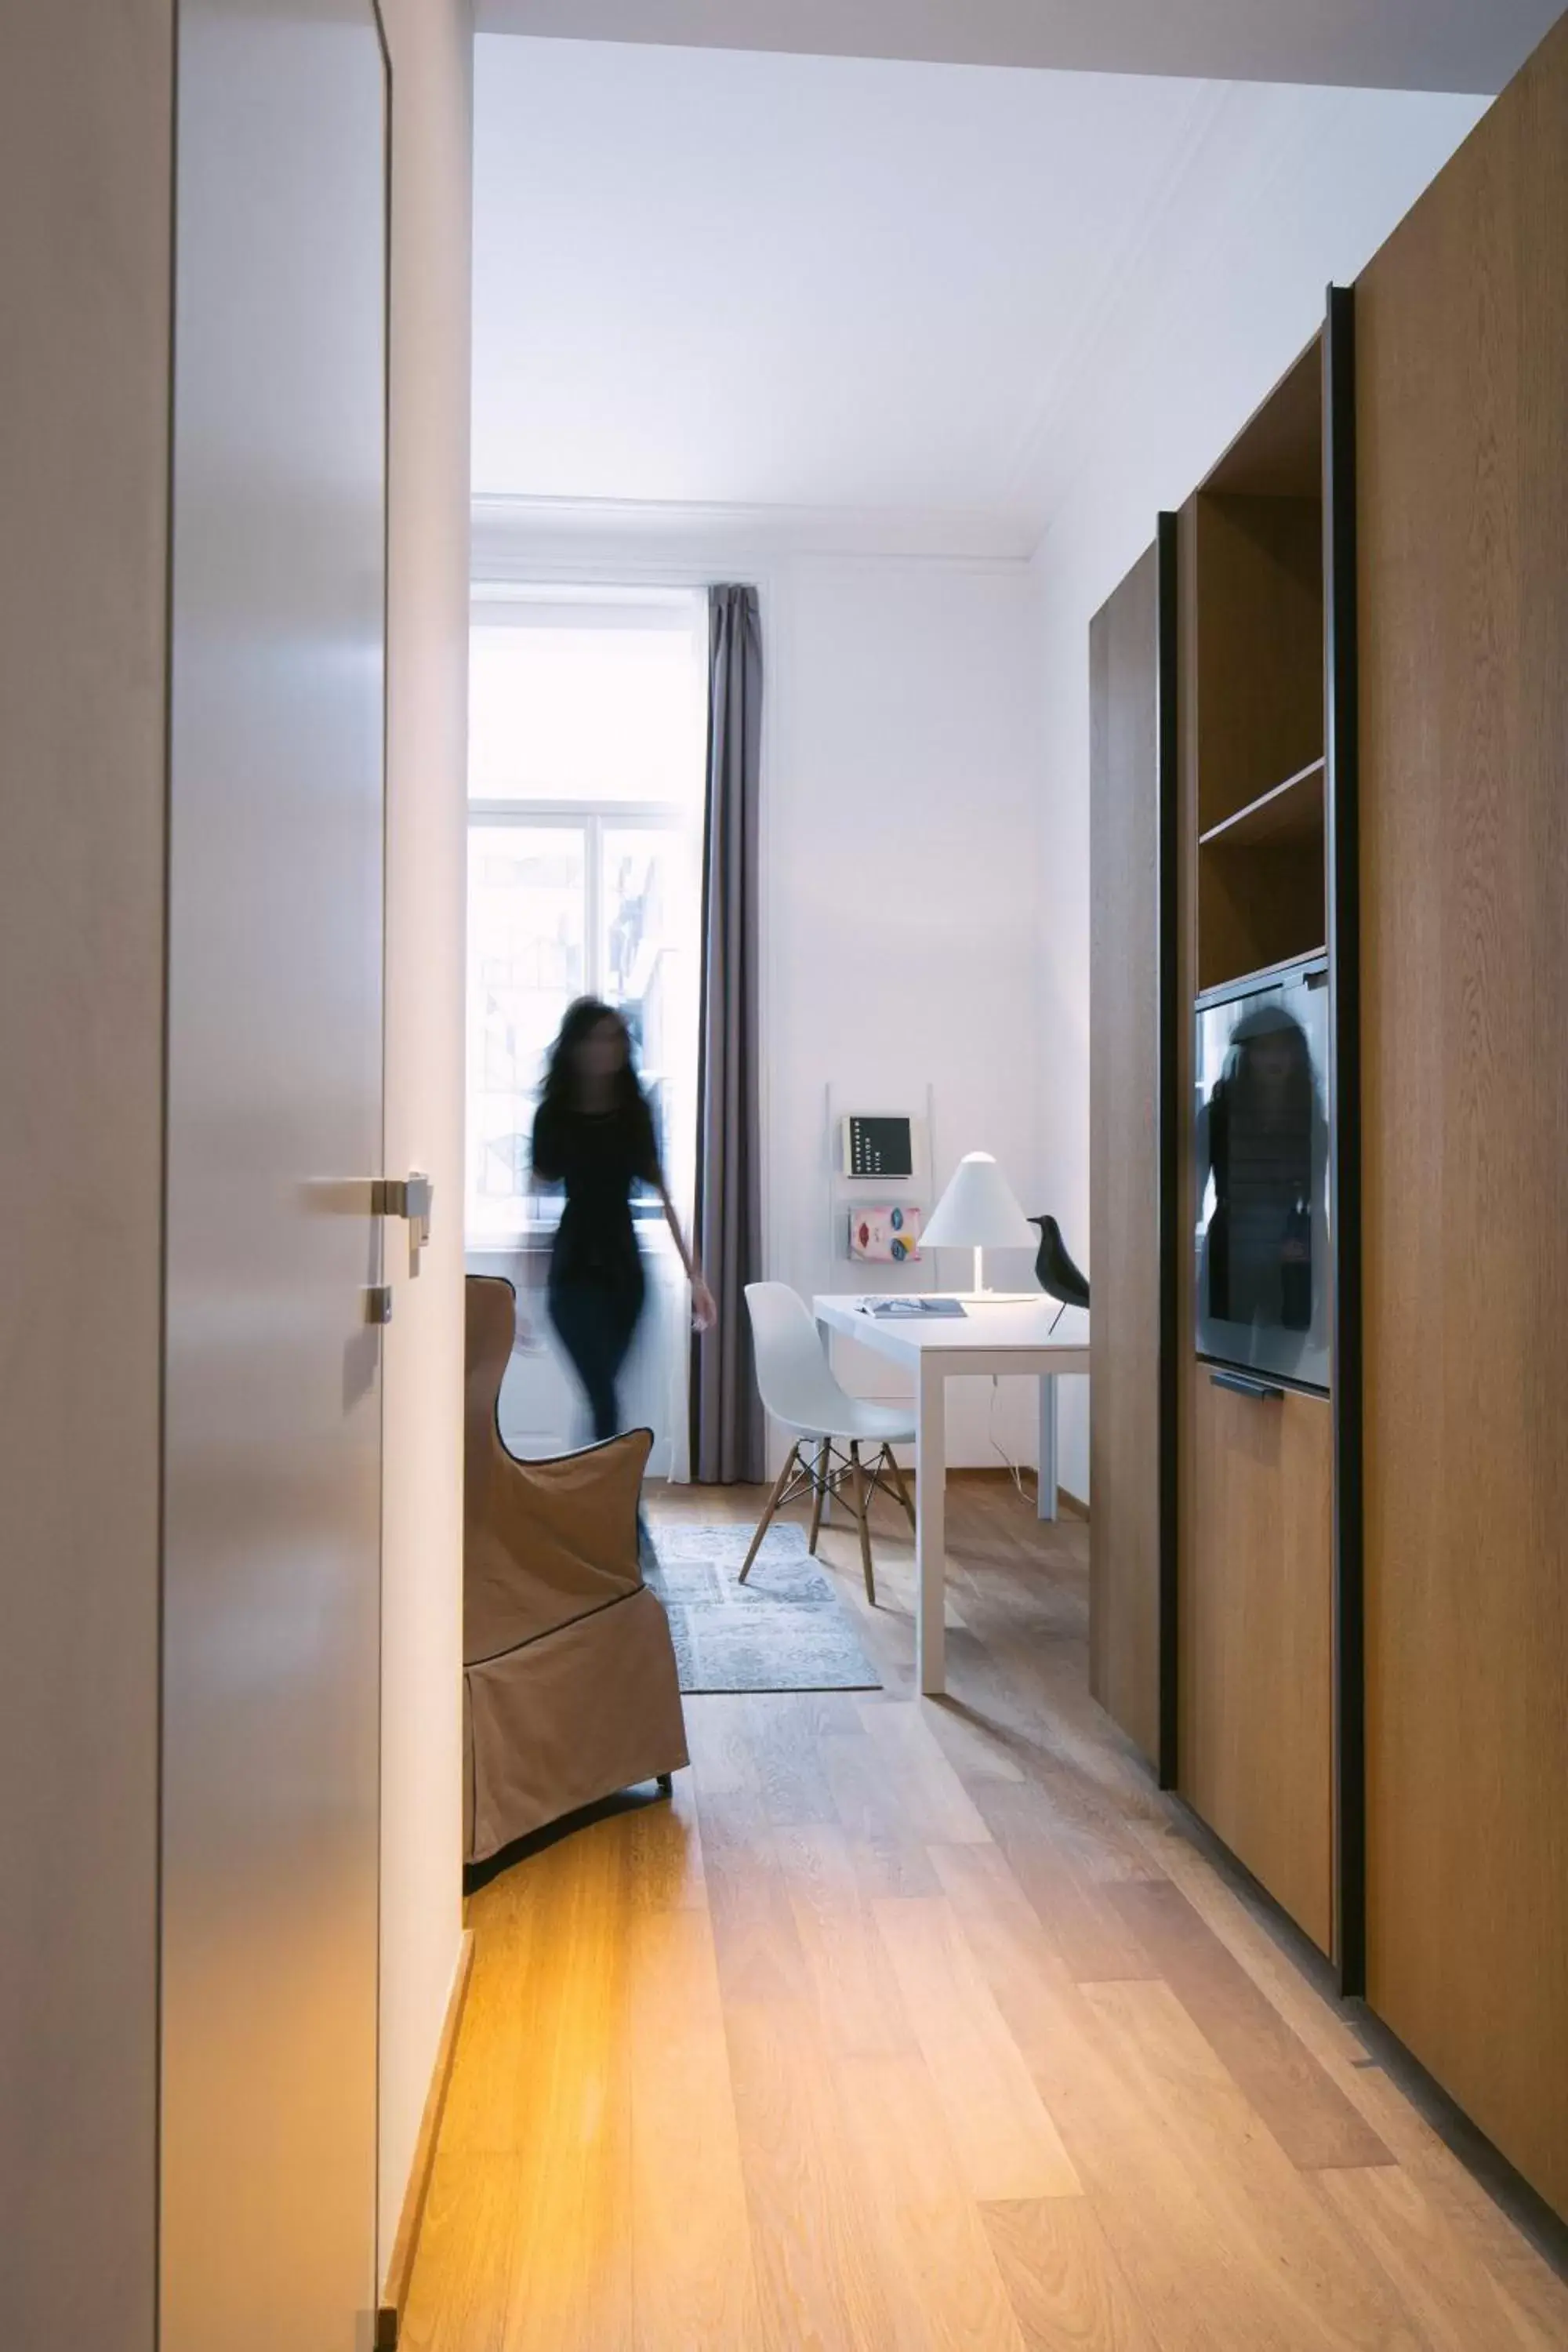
pixel 728 278
pixel 1460 45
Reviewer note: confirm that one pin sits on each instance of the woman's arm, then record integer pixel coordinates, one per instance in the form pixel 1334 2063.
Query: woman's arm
pixel 704 1313
pixel 535 1244
pixel 543 1176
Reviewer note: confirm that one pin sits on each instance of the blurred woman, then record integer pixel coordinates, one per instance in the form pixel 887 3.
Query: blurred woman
pixel 594 1134
pixel 1263 1137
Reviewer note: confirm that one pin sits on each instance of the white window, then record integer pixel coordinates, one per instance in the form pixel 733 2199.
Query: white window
pixel 586 753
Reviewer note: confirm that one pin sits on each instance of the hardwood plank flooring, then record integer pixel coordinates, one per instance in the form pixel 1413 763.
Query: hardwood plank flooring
pixel 858 2003
pixel 820 2281
pixel 693 2286
pixel 1067 2287
pixel 923 2026
pixel 1005 2142
pixel 1308 2115
pixel 1219 2231
pixel 945 2289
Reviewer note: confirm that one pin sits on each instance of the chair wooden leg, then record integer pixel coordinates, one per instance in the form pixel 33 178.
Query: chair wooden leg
pixel 819 1487
pixel 897 1476
pixel 863 1513
pixel 766 1520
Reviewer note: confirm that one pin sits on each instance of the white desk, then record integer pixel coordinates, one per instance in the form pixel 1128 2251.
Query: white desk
pixel 1010 1338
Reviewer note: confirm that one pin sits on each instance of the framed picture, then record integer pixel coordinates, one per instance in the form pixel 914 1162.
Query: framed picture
pixel 878 1146
pixel 889 1235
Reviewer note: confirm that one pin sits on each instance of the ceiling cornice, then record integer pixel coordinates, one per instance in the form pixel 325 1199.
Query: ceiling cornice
pixel 515 537
pixel 1471 45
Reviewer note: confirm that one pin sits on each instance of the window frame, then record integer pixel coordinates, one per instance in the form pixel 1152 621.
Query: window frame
pixel 522 605
pixel 593 819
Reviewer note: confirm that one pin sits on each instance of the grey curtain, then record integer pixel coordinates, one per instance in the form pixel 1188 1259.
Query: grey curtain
pixel 727 1439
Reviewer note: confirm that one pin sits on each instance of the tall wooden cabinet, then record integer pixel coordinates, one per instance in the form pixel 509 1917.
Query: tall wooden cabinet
pixel 1255 1704
pixel 1129 1212
pixel 1462 420
pixel 1253 1697
pixel 1346 1637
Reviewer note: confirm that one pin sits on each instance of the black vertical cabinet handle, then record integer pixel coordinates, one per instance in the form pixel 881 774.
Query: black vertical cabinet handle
pixel 1264 1391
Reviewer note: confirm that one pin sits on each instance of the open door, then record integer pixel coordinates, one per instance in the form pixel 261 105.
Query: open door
pixel 273 1403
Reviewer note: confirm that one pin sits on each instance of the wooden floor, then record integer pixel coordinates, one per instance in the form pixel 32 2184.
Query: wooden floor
pixel 923 2025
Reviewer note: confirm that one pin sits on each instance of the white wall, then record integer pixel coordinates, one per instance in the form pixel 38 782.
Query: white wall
pixel 901 844
pixel 431 46
pixel 86 148
pixel 1216 321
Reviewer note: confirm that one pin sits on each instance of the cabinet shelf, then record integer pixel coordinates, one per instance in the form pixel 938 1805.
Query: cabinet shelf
pixel 1287 814
pixel 1261 882
pixel 1259 977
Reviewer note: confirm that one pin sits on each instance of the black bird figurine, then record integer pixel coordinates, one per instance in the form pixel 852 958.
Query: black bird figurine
pixel 1054 1270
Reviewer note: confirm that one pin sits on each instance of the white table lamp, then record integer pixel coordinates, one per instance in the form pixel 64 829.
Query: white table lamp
pixel 978 1212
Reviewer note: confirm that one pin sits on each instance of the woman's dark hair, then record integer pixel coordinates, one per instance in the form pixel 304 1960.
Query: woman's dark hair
pixel 1300 1094
pixel 580 1020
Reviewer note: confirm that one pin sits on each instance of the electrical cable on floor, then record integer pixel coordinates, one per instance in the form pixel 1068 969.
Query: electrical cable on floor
pixel 1014 1468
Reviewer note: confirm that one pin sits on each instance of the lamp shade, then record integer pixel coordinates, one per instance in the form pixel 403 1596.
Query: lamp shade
pixel 978 1211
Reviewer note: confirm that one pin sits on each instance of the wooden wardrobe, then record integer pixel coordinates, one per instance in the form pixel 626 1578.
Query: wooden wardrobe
pixel 1133 1140
pixel 1341 1626
pixel 1462 533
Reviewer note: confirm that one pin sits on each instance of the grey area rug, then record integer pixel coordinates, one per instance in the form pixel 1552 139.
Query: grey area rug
pixel 784 1630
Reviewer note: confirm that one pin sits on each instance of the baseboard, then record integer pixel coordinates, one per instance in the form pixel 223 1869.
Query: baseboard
pixel 405 2245
pixel 958 1474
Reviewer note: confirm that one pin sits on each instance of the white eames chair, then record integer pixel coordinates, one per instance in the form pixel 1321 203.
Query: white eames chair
pixel 827 1424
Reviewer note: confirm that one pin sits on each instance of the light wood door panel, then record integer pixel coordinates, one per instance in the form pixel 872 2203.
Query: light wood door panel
pixel 1462 391
pixel 1255 1642
pixel 273 1412
pixel 1124 1214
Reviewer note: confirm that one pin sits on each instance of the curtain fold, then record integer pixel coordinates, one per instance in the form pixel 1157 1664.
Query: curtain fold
pixel 727 1431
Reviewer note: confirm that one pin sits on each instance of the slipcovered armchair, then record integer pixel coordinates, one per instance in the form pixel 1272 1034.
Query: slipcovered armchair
pixel 568 1682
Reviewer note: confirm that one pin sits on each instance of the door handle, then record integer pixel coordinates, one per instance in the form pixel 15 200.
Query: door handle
pixel 1264 1392
pixel 409 1197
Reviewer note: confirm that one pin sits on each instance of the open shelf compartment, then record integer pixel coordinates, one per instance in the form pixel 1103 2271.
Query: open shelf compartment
pixel 1257 556
pixel 1287 814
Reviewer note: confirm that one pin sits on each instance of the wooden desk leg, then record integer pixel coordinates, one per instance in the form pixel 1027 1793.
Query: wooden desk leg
pixel 1046 1482
pixel 930 1528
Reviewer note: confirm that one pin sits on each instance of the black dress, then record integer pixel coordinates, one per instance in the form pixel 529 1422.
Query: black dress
pixel 597 1284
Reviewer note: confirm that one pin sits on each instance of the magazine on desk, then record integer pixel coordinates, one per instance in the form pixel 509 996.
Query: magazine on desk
pixel 909 1306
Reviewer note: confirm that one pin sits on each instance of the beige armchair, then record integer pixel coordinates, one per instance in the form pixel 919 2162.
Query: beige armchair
pixel 568 1682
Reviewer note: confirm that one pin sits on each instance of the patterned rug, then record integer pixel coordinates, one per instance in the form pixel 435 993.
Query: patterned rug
pixel 782 1630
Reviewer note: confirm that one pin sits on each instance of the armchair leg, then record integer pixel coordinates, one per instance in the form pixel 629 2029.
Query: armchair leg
pixel 792 1460
pixel 667 1784
pixel 818 1490
pixel 862 1512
